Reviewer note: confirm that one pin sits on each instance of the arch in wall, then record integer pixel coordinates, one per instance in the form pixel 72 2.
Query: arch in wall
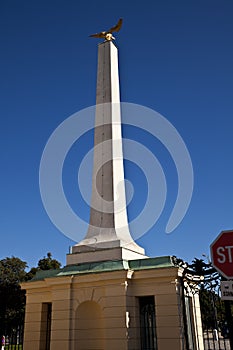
pixel 89 326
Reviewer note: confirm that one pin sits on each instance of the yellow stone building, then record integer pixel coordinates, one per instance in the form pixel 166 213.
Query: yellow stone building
pixel 137 304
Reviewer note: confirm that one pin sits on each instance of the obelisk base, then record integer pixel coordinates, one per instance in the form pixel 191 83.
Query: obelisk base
pixel 118 253
pixel 87 251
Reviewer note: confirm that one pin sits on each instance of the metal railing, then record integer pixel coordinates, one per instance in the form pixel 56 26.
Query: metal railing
pixel 14 339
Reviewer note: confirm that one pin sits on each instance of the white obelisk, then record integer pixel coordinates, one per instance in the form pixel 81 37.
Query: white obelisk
pixel 108 236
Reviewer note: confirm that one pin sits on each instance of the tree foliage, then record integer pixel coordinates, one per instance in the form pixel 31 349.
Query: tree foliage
pixel 48 263
pixel 199 266
pixel 12 298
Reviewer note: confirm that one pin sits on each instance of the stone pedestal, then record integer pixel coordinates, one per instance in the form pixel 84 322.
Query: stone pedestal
pixel 93 254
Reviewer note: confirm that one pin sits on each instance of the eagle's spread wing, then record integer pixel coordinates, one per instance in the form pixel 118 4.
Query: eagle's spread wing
pixel 98 35
pixel 108 34
pixel 117 27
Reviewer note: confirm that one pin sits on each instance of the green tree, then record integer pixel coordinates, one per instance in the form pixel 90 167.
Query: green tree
pixel 199 266
pixel 12 298
pixel 48 263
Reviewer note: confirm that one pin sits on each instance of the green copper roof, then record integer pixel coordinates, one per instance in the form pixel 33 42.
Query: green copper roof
pixel 151 263
pixel 94 267
pixel 40 275
pixel 107 266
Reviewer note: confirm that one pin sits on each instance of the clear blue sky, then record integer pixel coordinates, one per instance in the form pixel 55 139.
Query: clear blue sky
pixel 176 57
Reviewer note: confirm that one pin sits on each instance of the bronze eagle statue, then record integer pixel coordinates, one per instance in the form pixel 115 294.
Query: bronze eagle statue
pixel 107 35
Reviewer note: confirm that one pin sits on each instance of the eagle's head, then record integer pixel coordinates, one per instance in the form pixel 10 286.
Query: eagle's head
pixel 109 37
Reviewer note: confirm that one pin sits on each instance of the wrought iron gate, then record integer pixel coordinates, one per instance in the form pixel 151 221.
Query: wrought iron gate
pixel 202 279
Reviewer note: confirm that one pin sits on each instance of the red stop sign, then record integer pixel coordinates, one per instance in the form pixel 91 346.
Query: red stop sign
pixel 222 253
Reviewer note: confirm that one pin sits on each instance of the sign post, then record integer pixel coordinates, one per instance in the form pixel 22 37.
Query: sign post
pixel 221 251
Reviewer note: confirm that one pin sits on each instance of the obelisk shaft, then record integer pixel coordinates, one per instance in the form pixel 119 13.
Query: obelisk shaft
pixel 108 229
pixel 108 180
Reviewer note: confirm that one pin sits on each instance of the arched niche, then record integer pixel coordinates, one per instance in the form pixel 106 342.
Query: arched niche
pixel 89 330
